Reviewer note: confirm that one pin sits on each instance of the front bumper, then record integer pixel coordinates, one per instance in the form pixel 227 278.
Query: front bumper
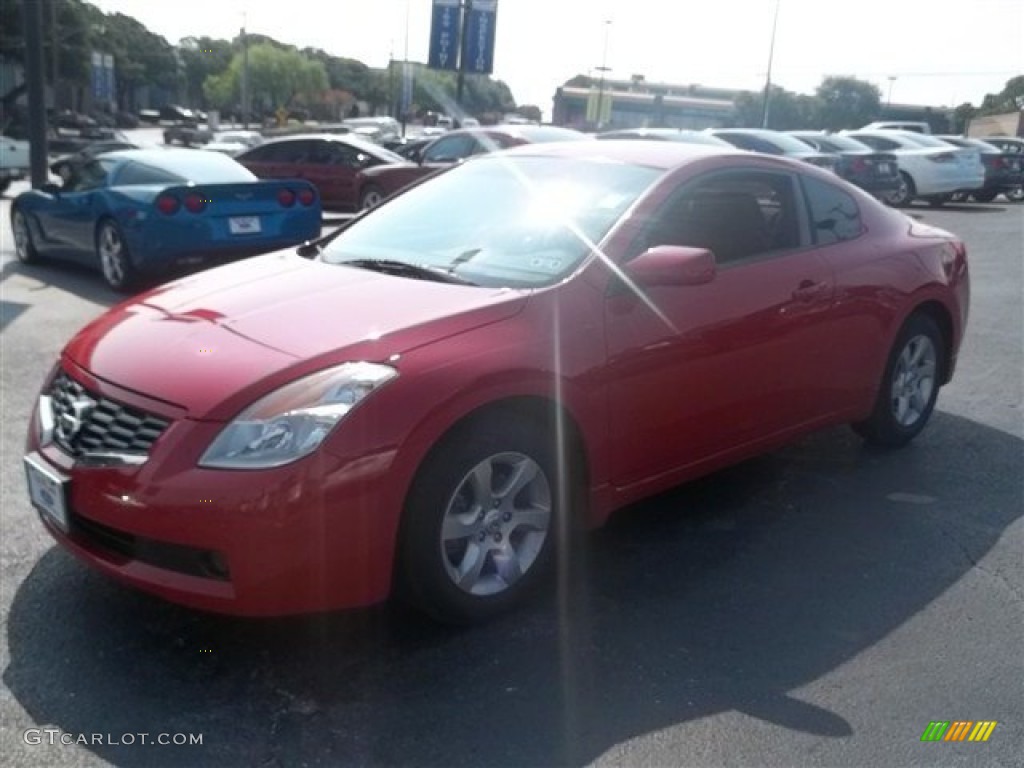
pixel 312 536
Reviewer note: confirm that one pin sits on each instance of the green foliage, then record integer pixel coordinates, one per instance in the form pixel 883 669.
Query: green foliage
pixel 846 102
pixel 962 117
pixel 786 110
pixel 1010 99
pixel 201 58
pixel 277 76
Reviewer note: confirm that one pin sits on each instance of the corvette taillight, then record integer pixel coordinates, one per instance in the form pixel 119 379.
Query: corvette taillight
pixel 307 197
pixel 286 197
pixel 195 203
pixel 167 205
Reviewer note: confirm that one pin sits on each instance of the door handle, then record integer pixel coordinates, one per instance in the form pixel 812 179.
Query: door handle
pixel 809 290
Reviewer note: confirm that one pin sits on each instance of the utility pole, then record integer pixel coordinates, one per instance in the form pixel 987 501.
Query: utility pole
pixel 464 9
pixel 246 98
pixel 32 13
pixel 766 104
pixel 54 53
pixel 602 69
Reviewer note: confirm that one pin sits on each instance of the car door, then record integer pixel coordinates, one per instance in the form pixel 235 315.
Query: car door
pixel 70 221
pixel 699 371
pixel 332 166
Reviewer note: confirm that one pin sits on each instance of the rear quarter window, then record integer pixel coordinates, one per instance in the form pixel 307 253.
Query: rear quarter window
pixel 835 216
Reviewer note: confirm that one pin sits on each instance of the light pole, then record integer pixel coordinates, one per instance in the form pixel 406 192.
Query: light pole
pixel 888 98
pixel 766 103
pixel 245 75
pixel 602 69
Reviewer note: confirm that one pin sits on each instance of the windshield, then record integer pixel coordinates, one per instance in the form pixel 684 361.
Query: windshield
pixel 499 221
pixel 786 142
pixel 834 143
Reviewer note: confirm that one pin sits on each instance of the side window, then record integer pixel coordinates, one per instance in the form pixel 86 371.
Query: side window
pixel 137 173
pixel 295 151
pixel 877 142
pixel 835 216
pixel 737 215
pixel 449 149
pixel 90 175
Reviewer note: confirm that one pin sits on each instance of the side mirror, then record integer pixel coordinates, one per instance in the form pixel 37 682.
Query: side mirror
pixel 672 265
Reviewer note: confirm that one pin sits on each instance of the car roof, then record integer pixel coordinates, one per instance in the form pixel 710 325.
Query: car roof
pixel 341 138
pixel 653 154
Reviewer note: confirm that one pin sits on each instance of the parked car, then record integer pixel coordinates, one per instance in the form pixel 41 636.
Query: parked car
pixel 329 161
pixel 177 114
pixel 232 143
pixel 664 134
pixel 14 161
pixel 930 169
pixel 1014 146
pixel 874 172
pixel 776 143
pixel 1003 172
pixel 187 135
pixel 374 185
pixel 137 214
pixel 432 411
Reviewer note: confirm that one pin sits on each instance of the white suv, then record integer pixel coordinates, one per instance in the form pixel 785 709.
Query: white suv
pixel 898 126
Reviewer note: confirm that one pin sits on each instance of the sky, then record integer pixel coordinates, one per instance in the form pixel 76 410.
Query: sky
pixel 931 52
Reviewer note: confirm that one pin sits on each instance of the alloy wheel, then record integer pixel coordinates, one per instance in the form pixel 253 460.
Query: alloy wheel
pixel 112 255
pixel 495 524
pixel 913 380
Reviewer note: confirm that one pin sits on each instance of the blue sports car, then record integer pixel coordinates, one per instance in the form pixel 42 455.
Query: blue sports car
pixel 139 214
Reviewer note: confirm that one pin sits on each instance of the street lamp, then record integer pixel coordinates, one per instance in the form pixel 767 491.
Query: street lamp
pixel 766 103
pixel 602 69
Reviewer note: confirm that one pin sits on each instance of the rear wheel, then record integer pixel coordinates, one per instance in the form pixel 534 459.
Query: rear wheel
pixel 1015 195
pixel 910 385
pixel 984 197
pixel 115 261
pixel 371 197
pixel 482 520
pixel 23 245
pixel 903 194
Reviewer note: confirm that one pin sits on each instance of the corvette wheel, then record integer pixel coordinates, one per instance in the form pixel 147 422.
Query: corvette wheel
pixel 910 385
pixel 23 245
pixel 481 522
pixel 115 262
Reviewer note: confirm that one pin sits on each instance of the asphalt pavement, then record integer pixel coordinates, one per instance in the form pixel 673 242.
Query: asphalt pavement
pixel 818 606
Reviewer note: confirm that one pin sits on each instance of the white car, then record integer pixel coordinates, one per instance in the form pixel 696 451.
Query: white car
pixel 233 143
pixel 14 161
pixel 930 169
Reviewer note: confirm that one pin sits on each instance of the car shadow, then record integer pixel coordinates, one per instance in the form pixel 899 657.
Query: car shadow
pixel 725 594
pixel 69 277
pixel 966 208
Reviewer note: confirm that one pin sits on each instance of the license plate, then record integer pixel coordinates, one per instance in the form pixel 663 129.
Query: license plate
pixel 244 225
pixel 48 491
pixel 883 168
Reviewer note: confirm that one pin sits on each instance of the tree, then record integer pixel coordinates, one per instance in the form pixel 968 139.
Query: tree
pixel 530 112
pixel 786 110
pixel 200 58
pixel 1010 99
pixel 277 77
pixel 962 117
pixel 846 102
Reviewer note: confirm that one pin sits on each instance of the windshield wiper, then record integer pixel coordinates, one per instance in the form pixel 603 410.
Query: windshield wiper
pixel 402 269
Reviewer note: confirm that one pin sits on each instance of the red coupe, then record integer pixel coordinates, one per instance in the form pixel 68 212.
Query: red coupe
pixel 426 401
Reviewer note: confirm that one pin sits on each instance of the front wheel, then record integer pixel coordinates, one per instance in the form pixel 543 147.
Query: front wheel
pixel 115 261
pixel 481 521
pixel 24 248
pixel 910 385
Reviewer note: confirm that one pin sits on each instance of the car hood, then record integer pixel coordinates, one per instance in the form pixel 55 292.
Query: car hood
pixel 204 341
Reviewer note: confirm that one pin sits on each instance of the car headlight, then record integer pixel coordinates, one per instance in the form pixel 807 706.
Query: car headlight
pixel 293 421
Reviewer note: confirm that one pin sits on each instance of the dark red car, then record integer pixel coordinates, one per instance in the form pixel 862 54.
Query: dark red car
pixel 329 161
pixel 375 184
pixel 430 399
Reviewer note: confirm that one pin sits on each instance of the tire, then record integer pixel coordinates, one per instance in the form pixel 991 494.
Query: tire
pixel 903 194
pixel 937 201
pixel 114 258
pixel 482 521
pixel 370 197
pixel 24 248
pixel 984 197
pixel 1015 195
pixel 909 386
pixel 4 184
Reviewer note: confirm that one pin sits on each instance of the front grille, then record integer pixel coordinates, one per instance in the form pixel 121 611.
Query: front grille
pixel 85 423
